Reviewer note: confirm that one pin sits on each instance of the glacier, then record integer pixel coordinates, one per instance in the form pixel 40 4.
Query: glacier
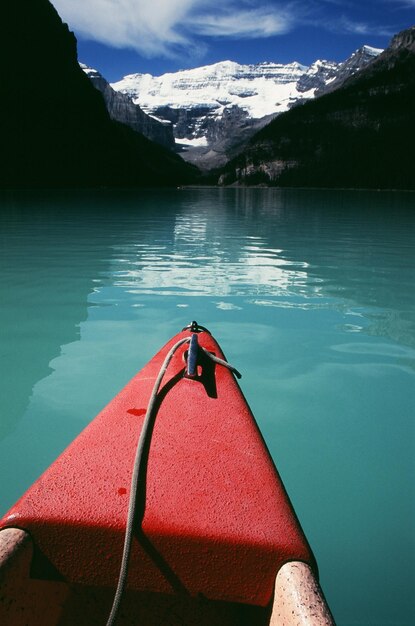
pixel 259 89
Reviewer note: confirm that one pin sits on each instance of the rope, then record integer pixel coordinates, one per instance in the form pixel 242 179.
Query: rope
pixel 139 472
pixel 219 361
pixel 137 468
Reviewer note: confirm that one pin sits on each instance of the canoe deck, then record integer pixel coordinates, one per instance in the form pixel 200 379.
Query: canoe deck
pixel 215 507
pixel 215 528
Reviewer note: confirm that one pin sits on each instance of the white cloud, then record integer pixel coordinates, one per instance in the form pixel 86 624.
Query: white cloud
pixel 149 26
pixel 345 19
pixel 346 25
pixel 172 27
pixel 182 28
pixel 260 22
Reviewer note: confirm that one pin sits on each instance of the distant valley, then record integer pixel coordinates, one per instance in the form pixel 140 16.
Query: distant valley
pixel 349 124
pixel 213 110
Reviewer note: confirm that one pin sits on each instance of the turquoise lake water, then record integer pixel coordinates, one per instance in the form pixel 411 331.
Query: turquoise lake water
pixel 311 295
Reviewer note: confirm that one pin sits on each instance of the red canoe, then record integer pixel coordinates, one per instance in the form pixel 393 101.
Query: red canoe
pixel 211 519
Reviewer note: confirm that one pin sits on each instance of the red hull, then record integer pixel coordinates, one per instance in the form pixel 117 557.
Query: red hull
pixel 217 519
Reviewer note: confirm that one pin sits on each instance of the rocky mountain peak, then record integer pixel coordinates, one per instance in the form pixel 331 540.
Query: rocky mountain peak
pixel 361 57
pixel 404 39
pixel 358 60
pixel 319 74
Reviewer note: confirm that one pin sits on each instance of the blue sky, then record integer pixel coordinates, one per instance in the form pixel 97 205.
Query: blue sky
pixel 120 37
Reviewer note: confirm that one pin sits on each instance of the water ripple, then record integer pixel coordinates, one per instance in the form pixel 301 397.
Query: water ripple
pixel 195 265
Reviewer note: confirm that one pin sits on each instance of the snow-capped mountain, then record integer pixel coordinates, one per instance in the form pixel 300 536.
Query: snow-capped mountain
pixel 357 61
pixel 258 89
pixel 215 106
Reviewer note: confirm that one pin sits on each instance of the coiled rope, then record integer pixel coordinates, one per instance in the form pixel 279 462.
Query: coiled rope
pixel 139 470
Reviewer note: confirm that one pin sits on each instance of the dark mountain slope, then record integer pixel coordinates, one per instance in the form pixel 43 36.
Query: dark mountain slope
pixel 54 127
pixel 361 135
pixel 122 109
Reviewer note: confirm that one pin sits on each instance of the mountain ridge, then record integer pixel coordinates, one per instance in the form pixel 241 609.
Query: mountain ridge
pixel 213 108
pixel 359 135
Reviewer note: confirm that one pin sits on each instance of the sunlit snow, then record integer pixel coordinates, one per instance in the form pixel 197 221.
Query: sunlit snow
pixel 260 89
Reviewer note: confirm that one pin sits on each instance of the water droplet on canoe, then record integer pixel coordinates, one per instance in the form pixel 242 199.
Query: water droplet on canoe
pixel 136 411
pixel 122 491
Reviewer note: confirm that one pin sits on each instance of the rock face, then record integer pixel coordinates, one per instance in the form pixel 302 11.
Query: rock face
pixel 318 75
pixel 359 60
pixel 360 135
pixel 55 129
pixel 122 109
pixel 216 108
pixel 405 40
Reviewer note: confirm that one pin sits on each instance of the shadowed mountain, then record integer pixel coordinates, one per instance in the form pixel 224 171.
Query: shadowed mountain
pixel 361 135
pixel 215 109
pixel 55 129
pixel 122 109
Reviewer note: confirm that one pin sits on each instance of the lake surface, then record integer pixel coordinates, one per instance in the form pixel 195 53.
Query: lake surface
pixel 311 295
